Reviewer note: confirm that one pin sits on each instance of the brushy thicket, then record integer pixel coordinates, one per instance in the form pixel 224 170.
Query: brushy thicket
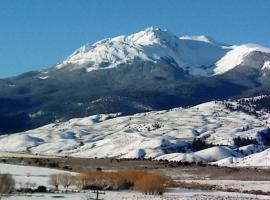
pixel 153 184
pixel 7 183
pixel 145 182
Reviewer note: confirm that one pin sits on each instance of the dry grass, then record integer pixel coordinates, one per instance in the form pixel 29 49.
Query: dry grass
pixel 154 184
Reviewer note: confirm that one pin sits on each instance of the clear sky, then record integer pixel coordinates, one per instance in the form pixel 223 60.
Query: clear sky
pixel 35 34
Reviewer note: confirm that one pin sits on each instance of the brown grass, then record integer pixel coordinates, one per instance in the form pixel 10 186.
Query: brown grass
pixel 154 184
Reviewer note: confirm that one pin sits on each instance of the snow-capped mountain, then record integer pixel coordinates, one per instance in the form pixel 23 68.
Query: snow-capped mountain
pixel 196 55
pixel 149 70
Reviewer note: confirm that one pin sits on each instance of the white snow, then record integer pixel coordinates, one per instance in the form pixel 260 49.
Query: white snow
pixel 261 159
pixel 174 194
pixel 236 184
pixel 43 77
pixel 237 56
pixel 197 57
pixel 151 134
pixel 28 174
pixel 206 155
pixel 266 65
pixel 204 38
pixel 39 176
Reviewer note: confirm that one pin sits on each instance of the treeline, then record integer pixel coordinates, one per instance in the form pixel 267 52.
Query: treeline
pixel 264 136
pixel 244 141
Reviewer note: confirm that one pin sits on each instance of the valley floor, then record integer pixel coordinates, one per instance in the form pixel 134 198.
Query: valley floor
pixel 177 194
pixel 237 178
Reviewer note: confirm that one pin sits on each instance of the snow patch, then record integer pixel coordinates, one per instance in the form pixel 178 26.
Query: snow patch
pixel 237 56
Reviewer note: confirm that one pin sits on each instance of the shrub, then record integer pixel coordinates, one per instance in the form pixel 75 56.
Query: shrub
pixel 103 181
pixel 53 165
pixel 194 185
pixel 41 189
pixel 146 182
pixel 153 184
pixel 7 183
pixel 79 181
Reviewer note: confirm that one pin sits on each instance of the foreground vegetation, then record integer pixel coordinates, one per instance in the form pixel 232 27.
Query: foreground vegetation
pixel 145 182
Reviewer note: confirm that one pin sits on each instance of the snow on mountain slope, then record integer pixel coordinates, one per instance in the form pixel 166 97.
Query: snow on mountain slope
pixel 195 56
pixel 207 155
pixel 204 38
pixel 149 135
pixel 260 159
pixel 237 56
pixel 198 55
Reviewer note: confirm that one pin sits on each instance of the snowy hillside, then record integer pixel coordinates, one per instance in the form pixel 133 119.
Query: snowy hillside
pixel 198 55
pixel 158 134
pixel 261 159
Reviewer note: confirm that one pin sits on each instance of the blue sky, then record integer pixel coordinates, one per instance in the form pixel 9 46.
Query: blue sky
pixel 35 34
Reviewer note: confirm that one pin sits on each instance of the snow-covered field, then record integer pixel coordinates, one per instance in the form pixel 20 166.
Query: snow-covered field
pixel 150 135
pixel 29 175
pixel 39 176
pixel 236 184
pixel 176 194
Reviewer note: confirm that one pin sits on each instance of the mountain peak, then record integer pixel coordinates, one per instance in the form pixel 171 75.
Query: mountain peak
pixel 197 55
pixel 151 45
pixel 153 35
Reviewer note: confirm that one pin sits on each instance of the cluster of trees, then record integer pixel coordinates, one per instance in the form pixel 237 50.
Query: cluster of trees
pixel 244 141
pixel 63 179
pixel 145 182
pixel 264 136
pixel 200 144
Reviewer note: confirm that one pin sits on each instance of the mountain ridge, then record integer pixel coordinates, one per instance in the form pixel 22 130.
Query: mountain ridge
pixel 199 55
pixel 129 83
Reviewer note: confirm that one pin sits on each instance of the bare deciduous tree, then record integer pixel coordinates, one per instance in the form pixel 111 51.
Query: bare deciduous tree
pixel 78 181
pixel 65 180
pixel 54 180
